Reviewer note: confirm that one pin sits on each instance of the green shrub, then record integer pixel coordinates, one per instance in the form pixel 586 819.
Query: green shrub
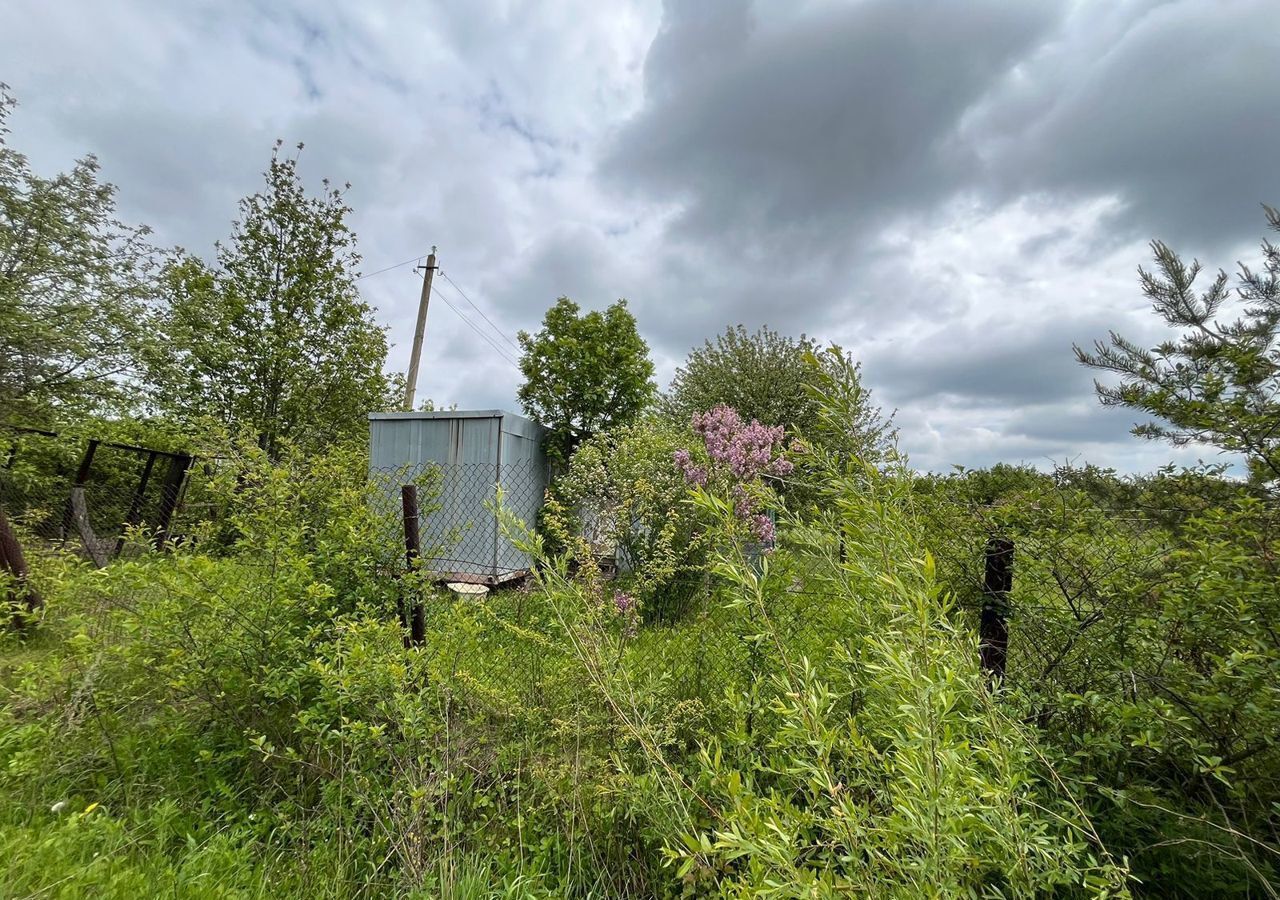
pixel 623 495
pixel 240 716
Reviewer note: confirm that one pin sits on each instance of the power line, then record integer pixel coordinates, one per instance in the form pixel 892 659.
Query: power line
pixel 388 268
pixel 497 348
pixel 500 332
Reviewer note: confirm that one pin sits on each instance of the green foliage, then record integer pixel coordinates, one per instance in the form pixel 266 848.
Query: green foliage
pixel 200 680
pixel 761 375
pixel 256 678
pixel 37 470
pixel 239 715
pixel 845 424
pixel 623 495
pixel 76 291
pixel 98 854
pixel 1216 383
pixel 1142 623
pixel 1176 722
pixel 883 767
pixel 275 339
pixel 771 378
pixel 584 374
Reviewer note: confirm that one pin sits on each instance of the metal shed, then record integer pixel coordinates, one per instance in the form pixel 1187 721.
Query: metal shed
pixel 467 454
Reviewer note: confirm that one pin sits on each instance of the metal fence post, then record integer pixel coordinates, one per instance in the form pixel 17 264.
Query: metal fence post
pixel 993 629
pixel 135 504
pixel 170 493
pixel 14 563
pixel 412 555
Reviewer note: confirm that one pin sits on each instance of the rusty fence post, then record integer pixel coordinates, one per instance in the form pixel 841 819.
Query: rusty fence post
pixel 14 563
pixel 413 557
pixel 993 628
pixel 170 493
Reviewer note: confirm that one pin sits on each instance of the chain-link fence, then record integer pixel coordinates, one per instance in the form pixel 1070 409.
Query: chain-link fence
pixel 1053 586
pixel 1058 588
pixel 90 493
pixel 461 535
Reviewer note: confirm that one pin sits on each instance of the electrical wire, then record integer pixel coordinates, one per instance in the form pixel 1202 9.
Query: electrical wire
pixel 459 313
pixel 497 348
pixel 389 268
pixel 498 330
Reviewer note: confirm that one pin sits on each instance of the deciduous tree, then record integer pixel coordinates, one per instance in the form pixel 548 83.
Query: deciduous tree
pixel 771 378
pixel 275 337
pixel 76 291
pixel 584 373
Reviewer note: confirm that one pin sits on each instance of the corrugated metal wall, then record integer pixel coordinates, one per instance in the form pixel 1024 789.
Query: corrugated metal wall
pixel 474 450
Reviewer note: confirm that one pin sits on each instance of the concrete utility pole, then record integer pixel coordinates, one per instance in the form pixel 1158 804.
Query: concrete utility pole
pixel 411 382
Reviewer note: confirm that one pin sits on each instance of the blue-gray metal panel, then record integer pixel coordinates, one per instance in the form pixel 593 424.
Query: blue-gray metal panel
pixel 522 427
pixel 474 448
pixel 442 414
pixel 524 479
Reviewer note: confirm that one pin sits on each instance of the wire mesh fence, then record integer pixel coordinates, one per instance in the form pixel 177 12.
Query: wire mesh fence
pixel 1077 578
pixel 90 493
pixel 1063 582
pixel 1076 575
pixel 462 537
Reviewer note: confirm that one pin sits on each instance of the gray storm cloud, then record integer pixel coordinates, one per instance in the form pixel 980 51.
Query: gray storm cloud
pixel 955 192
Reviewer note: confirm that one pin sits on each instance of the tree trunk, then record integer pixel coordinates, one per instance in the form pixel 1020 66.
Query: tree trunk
pixel 14 564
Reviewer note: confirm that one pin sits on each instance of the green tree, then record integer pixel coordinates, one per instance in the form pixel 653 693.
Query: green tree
pixel 76 288
pixel 584 373
pixel 772 378
pixel 761 375
pixel 275 337
pixel 1218 381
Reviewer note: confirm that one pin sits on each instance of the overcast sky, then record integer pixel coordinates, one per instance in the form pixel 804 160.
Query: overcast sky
pixel 955 191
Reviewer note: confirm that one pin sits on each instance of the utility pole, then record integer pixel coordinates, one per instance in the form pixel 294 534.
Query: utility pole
pixel 411 382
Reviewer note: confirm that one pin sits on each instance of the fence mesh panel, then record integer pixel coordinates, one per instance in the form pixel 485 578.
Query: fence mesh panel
pixel 63 491
pixel 1070 588
pixel 1080 571
pixel 461 535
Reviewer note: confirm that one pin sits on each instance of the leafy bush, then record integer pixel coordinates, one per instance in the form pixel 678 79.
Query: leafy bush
pixel 884 767
pixel 240 714
pixel 622 494
pixel 1142 622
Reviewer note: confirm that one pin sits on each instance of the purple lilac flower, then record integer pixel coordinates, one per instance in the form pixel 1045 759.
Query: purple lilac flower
pixel 625 604
pixel 747 449
pixel 692 474
pixel 764 529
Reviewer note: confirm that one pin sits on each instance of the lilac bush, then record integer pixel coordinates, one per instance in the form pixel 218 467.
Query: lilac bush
pixel 748 450
pixel 693 473
pixel 742 454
